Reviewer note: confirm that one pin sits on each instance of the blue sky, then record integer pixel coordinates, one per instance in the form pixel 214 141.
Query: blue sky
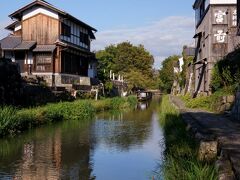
pixel 163 27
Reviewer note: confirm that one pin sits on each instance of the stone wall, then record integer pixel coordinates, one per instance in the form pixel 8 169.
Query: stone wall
pixel 225 103
pixel 62 80
pixel 236 107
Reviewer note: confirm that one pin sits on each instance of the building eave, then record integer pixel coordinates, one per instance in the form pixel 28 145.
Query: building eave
pixel 196 4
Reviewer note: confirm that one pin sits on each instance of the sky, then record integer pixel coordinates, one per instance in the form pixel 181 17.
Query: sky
pixel 163 27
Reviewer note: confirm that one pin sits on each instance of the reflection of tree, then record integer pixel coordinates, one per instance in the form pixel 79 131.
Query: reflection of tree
pixel 124 130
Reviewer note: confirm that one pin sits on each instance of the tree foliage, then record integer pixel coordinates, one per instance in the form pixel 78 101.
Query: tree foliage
pixel 10 82
pixel 133 62
pixel 226 73
pixel 166 73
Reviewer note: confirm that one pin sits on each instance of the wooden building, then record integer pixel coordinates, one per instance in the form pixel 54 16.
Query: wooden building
pixel 216 29
pixel 52 44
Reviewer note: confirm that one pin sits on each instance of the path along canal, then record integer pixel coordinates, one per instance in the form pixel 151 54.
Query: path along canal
pixel 112 146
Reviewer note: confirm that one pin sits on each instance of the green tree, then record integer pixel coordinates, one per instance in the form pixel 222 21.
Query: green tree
pixel 166 73
pixel 133 62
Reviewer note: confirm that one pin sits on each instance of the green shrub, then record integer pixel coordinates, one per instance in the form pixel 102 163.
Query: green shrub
pixel 116 102
pixel 8 119
pixel 10 82
pixel 209 103
pixel 86 95
pixel 226 73
pixel 132 101
pixel 13 121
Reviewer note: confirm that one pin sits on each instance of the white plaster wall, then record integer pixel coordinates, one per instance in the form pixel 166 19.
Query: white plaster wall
pixel 181 63
pixel 30 58
pixel 91 73
pixel 223 1
pixel 29 13
pixel 17 27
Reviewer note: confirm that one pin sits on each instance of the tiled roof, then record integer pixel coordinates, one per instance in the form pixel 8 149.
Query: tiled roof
pixel 11 27
pixel 44 48
pixel 10 42
pixel 26 45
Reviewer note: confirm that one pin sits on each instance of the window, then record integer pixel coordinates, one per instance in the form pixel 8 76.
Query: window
pixel 84 38
pixel 44 62
pixel 74 64
pixel 200 11
pixel 65 30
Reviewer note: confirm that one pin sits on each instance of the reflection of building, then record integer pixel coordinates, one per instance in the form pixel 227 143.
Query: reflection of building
pixel 216 25
pixel 41 160
pixel 52 44
pixel 58 156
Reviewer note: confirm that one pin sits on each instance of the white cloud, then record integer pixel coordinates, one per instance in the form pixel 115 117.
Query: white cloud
pixel 162 38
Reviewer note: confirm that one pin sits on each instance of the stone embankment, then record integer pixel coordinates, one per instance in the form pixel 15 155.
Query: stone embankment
pixel 219 138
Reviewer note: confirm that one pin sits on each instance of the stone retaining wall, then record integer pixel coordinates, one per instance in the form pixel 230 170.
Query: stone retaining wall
pixel 62 80
pixel 236 107
pixel 225 104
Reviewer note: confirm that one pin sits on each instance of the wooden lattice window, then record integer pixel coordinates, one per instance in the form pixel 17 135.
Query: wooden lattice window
pixel 44 62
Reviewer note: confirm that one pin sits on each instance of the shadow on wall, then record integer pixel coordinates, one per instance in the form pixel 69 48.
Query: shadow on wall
pixel 236 107
pixel 200 80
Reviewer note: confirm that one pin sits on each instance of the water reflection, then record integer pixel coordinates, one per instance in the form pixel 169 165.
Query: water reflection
pixel 143 105
pixel 113 146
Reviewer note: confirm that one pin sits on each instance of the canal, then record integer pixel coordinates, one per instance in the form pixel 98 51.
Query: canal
pixel 112 146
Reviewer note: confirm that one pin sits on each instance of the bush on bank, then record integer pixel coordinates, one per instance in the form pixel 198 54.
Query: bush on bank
pixel 226 73
pixel 13 121
pixel 181 149
pixel 209 103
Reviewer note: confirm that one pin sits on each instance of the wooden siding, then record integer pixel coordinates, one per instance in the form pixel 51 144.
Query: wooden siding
pixel 40 28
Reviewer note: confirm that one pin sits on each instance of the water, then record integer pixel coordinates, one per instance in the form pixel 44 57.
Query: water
pixel 113 146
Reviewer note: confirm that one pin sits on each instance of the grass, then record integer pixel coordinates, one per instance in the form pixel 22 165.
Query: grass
pixel 203 102
pixel 14 121
pixel 210 103
pixel 181 149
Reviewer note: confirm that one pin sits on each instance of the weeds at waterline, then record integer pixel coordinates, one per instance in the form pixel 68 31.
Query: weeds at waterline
pixel 181 149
